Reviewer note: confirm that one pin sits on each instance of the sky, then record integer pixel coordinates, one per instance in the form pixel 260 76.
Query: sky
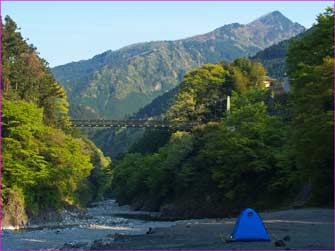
pixel 64 32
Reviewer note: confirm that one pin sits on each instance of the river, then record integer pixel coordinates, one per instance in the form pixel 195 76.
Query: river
pixel 78 231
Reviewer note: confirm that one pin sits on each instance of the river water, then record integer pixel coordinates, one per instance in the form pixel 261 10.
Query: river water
pixel 102 220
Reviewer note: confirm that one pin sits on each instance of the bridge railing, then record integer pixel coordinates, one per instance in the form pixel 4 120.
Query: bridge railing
pixel 216 107
pixel 135 123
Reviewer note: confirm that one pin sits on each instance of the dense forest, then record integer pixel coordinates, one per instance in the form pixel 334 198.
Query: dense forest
pixel 268 151
pixel 46 165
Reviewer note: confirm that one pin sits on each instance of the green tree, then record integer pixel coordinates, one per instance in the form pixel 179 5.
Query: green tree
pixel 26 76
pixel 311 69
pixel 203 91
pixel 199 89
pixel 44 168
pixel 241 153
pixel 246 74
pixel 44 163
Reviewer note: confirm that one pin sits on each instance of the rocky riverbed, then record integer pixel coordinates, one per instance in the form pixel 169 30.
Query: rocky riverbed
pixel 108 226
pixel 79 230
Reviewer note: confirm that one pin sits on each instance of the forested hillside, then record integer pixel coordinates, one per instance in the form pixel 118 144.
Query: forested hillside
pixel 118 83
pixel 310 146
pixel 115 143
pixel 46 165
pixel 274 59
pixel 269 151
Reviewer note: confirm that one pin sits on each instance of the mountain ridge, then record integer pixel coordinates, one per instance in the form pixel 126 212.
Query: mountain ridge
pixel 116 83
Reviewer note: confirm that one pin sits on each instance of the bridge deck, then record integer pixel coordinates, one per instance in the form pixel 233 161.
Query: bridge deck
pixel 156 124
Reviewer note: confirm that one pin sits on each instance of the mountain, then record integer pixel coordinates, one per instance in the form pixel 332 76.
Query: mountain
pixel 273 58
pixel 116 83
pixel 158 106
pixel 115 143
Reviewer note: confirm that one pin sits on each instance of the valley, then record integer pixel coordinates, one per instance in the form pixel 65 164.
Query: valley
pixel 162 144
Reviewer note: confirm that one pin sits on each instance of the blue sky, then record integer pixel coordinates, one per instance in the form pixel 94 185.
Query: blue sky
pixel 71 31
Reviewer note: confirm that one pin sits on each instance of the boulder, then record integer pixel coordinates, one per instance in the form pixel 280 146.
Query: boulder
pixel 76 245
pixel 102 244
pixel 280 243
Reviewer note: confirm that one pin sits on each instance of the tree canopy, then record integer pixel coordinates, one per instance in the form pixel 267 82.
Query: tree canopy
pixel 202 93
pixel 311 69
pixel 44 166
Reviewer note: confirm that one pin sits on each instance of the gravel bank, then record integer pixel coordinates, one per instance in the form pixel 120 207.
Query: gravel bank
pixel 305 228
pixel 101 228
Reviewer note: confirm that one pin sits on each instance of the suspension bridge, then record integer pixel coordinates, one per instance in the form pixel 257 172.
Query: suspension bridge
pixel 154 123
pixel 135 123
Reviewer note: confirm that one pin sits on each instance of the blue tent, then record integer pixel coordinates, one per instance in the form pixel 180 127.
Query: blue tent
pixel 249 227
